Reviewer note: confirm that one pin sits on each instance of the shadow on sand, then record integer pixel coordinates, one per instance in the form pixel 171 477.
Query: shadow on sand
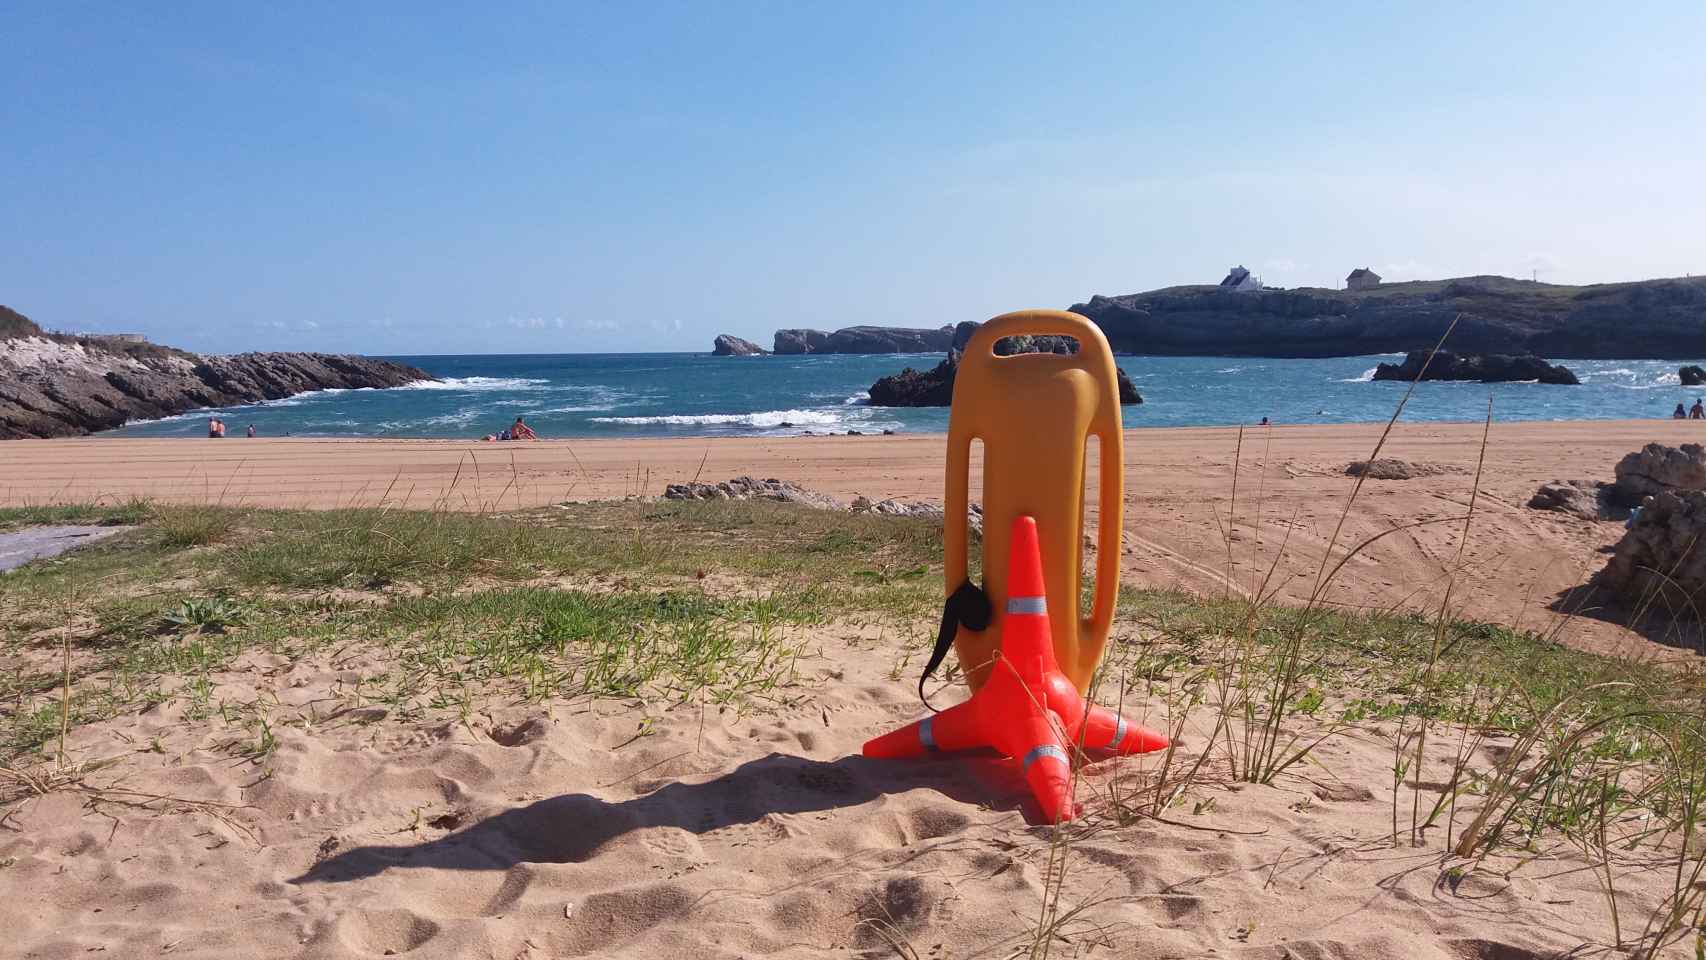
pixel 573 827
pixel 1672 624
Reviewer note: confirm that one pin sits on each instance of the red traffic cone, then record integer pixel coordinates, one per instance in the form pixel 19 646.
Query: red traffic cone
pixel 1028 710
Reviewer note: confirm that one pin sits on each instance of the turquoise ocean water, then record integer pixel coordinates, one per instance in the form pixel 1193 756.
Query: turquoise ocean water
pixel 670 395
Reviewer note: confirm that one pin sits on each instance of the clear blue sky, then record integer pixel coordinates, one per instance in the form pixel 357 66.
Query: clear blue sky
pixel 390 178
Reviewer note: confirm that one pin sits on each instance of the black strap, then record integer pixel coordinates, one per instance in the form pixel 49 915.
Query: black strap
pixel 967 606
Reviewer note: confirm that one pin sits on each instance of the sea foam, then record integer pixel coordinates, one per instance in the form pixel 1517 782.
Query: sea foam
pixel 478 384
pixel 767 418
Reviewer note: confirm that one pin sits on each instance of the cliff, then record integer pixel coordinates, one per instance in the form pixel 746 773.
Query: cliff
pixel 1644 319
pixel 865 340
pixel 55 385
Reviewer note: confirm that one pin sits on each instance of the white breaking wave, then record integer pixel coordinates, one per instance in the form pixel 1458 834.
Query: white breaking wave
pixel 466 415
pixel 862 398
pixel 583 408
pixel 297 400
pixel 768 418
pixel 1367 376
pixel 1230 370
pixel 477 384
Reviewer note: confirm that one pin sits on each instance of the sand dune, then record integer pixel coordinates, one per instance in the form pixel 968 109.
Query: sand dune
pixel 554 831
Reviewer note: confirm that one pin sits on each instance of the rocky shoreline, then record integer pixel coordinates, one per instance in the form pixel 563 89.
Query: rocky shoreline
pixel 56 385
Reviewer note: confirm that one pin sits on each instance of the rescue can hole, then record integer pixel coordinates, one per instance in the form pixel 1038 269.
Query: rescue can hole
pixel 1049 343
pixel 1088 528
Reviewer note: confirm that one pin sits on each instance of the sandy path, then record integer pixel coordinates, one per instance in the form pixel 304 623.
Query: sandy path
pixel 1519 562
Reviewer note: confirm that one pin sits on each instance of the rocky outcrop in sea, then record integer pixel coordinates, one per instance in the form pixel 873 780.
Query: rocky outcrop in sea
pixel 729 345
pixel 1643 319
pixel 864 340
pixel 1491 368
pixel 55 385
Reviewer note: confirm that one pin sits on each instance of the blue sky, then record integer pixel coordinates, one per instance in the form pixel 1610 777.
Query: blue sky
pixel 500 178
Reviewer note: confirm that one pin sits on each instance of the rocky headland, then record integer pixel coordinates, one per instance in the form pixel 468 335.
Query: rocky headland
pixel 1637 320
pixel 865 339
pixel 1491 368
pixel 59 385
pixel 1642 319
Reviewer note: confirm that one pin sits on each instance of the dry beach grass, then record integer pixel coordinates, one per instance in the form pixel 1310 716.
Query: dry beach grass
pixel 1519 569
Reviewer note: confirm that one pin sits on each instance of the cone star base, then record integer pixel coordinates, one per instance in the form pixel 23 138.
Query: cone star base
pixel 1028 710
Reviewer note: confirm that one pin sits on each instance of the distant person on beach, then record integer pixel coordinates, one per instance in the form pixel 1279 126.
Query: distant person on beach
pixel 1679 413
pixel 1264 421
pixel 251 431
pixel 521 431
pixel 1698 411
pixel 212 427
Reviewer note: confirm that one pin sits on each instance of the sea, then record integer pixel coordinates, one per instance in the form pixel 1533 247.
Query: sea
pixel 698 395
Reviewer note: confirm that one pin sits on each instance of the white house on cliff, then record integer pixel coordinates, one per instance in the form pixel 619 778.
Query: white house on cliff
pixel 1240 280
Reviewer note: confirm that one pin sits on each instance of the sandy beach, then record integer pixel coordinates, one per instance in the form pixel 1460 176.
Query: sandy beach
pixel 410 764
pixel 1520 565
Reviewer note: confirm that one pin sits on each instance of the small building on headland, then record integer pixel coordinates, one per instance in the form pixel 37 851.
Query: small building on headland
pixel 1240 280
pixel 1362 278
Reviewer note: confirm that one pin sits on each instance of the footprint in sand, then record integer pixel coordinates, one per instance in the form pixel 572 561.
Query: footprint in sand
pixel 520 734
pixel 608 919
pixel 383 933
pixel 936 820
